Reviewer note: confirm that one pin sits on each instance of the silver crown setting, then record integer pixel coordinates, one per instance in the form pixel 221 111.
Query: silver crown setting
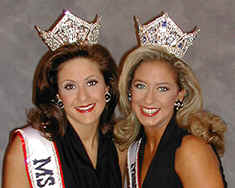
pixel 70 29
pixel 163 32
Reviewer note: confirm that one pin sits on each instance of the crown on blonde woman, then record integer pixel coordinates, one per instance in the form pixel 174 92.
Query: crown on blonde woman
pixel 163 32
pixel 70 29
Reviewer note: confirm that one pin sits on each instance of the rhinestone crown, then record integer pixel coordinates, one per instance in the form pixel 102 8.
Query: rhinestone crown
pixel 162 31
pixel 70 29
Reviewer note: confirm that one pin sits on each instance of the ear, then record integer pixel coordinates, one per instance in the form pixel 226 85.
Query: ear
pixel 181 95
pixel 106 89
pixel 58 96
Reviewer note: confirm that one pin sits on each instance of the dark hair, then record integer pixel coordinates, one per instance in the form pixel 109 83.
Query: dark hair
pixel 47 117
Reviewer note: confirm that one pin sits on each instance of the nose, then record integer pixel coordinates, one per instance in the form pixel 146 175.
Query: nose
pixel 149 95
pixel 83 94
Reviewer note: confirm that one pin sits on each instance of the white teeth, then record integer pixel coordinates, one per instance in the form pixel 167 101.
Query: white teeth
pixel 150 111
pixel 86 108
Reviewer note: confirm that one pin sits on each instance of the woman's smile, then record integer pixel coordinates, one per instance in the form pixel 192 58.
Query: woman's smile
pixel 85 109
pixel 149 112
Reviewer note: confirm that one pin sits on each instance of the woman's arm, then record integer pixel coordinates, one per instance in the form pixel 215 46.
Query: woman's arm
pixel 14 172
pixel 197 165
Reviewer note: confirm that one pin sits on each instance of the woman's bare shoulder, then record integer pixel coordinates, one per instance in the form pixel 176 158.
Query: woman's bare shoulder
pixel 196 164
pixel 14 173
pixel 195 151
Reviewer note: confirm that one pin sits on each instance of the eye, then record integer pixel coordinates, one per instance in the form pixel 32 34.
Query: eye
pixel 163 89
pixel 92 82
pixel 139 86
pixel 69 86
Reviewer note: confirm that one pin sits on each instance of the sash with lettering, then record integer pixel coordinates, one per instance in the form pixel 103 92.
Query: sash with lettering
pixel 41 160
pixel 133 165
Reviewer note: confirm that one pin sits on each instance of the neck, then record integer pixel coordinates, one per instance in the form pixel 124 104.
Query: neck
pixel 88 134
pixel 153 137
pixel 154 134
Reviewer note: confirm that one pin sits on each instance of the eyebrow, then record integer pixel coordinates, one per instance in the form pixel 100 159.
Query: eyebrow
pixel 87 78
pixel 62 83
pixel 138 81
pixel 91 76
pixel 160 83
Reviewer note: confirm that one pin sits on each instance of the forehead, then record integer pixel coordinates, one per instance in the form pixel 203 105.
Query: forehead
pixel 155 70
pixel 79 67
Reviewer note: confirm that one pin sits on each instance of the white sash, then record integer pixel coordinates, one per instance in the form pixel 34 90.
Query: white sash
pixel 41 160
pixel 133 165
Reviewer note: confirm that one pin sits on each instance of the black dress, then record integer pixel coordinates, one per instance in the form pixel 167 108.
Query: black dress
pixel 161 172
pixel 77 168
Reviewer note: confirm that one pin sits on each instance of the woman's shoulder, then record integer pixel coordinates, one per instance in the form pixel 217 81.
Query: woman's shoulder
pixel 14 145
pixel 14 166
pixel 196 162
pixel 16 140
pixel 193 146
pixel 195 153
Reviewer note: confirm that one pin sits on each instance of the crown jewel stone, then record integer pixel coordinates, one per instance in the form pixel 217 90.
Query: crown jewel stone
pixel 162 31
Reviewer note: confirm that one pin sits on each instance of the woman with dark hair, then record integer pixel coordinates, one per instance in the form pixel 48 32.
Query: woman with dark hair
pixel 171 140
pixel 67 140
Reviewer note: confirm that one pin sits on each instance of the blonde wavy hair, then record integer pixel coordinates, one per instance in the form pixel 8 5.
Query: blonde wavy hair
pixel 191 117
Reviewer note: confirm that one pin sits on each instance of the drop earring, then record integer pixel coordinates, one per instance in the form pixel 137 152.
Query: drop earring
pixel 129 96
pixel 107 96
pixel 58 102
pixel 178 105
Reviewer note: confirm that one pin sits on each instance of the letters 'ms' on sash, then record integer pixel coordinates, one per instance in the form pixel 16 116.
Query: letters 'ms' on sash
pixel 41 159
pixel 133 165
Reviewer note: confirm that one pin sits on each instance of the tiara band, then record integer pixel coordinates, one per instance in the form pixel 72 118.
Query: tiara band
pixel 70 29
pixel 163 32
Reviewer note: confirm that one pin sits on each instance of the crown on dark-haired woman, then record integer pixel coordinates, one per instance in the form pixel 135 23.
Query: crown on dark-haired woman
pixel 70 29
pixel 163 32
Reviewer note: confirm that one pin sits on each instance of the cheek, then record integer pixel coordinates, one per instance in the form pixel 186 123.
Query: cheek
pixel 100 96
pixel 97 95
pixel 137 96
pixel 170 100
pixel 97 92
pixel 67 99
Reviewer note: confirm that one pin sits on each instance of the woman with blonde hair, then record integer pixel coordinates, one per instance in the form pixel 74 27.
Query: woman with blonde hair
pixel 171 140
